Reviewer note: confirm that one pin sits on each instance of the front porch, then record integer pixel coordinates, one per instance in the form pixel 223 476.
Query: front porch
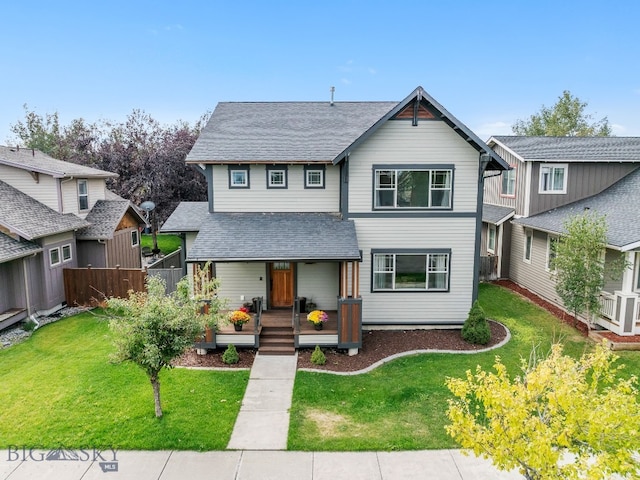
pixel 282 331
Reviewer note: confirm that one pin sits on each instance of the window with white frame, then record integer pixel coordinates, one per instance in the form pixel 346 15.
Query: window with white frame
pixel 66 253
pixel 491 239
pixel 553 178
pixel 83 195
pixel 313 177
pixel 238 176
pixel 552 243
pixel 277 177
pixel 528 245
pixel 135 238
pixel 509 183
pixel 412 188
pixel 411 271
pixel 54 256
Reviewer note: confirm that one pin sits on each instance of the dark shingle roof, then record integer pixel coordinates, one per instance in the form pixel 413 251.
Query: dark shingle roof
pixel 275 236
pixel 496 214
pixel 566 149
pixel 619 203
pixel 36 161
pixel 288 132
pixel 187 217
pixel 31 219
pixel 104 218
pixel 284 131
pixel 11 249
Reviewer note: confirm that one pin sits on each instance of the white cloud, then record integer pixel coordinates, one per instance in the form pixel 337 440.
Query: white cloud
pixel 176 26
pixel 345 81
pixel 372 71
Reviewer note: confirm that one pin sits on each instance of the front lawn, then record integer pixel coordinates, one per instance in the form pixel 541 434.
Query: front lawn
pixel 60 390
pixel 401 405
pixel 167 243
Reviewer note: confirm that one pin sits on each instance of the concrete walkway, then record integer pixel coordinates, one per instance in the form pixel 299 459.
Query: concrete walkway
pixel 263 421
pixel 254 465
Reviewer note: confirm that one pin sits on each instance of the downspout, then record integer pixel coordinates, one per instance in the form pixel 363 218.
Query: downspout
pixel 484 161
pixel 60 197
pixel 32 316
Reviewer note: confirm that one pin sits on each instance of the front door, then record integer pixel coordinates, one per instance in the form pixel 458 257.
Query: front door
pixel 281 284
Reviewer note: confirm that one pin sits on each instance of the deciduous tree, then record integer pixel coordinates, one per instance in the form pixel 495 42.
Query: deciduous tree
pixel 152 328
pixel 560 418
pixel 567 118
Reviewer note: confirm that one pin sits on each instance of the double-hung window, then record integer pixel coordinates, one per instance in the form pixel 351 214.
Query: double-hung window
pixel 277 176
pixel 491 239
pixel 413 270
pixel 412 188
pixel 54 257
pixel 509 183
pixel 83 195
pixel 553 178
pixel 66 253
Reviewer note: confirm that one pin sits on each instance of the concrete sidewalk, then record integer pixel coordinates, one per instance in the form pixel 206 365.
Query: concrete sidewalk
pixel 263 421
pixel 253 465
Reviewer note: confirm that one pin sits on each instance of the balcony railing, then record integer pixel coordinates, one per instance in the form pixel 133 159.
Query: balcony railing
pixel 608 305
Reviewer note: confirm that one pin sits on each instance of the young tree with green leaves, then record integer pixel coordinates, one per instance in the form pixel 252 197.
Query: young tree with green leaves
pixel 560 418
pixel 153 328
pixel 579 263
pixel 567 118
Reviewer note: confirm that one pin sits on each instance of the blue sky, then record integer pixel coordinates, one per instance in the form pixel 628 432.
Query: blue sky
pixel 488 62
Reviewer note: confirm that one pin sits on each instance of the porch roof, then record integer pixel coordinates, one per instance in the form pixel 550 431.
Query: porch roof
pixel 12 249
pixel 619 203
pixel 496 214
pixel 242 237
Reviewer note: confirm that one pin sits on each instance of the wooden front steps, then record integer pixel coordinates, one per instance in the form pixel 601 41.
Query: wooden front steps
pixel 276 341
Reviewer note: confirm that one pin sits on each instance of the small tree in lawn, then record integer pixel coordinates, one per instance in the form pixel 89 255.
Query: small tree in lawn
pixel 152 328
pixel 560 418
pixel 579 267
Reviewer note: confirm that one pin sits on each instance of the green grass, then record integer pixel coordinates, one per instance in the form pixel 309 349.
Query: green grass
pixel 58 389
pixel 167 243
pixel 402 405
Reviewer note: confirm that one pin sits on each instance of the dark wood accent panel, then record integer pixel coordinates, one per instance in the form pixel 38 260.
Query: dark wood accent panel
pixel 350 322
pixel 407 113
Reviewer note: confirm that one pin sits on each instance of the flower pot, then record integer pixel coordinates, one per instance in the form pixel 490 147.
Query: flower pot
pixel 317 326
pixel 237 327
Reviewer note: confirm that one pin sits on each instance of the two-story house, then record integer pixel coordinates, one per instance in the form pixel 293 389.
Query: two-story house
pixel 56 215
pixel 370 209
pixel 553 178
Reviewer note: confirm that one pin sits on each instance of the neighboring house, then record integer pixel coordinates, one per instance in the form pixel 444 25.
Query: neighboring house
pixel 552 179
pixel 370 209
pixel 61 215
pixel 36 243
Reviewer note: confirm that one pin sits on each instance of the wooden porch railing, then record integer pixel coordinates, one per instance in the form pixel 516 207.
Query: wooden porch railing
pixel 608 305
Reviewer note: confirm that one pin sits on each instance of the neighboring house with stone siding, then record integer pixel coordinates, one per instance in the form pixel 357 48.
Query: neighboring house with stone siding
pixel 553 178
pixel 56 215
pixel 370 209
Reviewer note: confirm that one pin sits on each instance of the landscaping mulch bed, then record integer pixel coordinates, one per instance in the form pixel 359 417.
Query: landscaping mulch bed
pixel 376 345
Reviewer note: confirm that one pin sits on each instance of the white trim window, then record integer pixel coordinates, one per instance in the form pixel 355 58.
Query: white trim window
pixel 415 188
pixel 508 183
pixel 83 195
pixel 277 176
pixel 552 242
pixel 314 178
pixel 528 245
pixel 66 253
pixel 239 178
pixel 553 178
pixel 491 238
pixel 420 271
pixel 135 238
pixel 54 257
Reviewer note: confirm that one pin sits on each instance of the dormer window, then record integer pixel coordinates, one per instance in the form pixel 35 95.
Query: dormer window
pixel 83 195
pixel 553 178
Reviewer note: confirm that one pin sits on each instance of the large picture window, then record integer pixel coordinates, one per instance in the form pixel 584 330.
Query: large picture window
pixel 553 178
pixel 413 188
pixel 419 271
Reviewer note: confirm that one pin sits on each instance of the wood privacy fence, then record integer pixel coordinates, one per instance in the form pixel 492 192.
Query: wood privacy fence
pixel 488 268
pixel 91 286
